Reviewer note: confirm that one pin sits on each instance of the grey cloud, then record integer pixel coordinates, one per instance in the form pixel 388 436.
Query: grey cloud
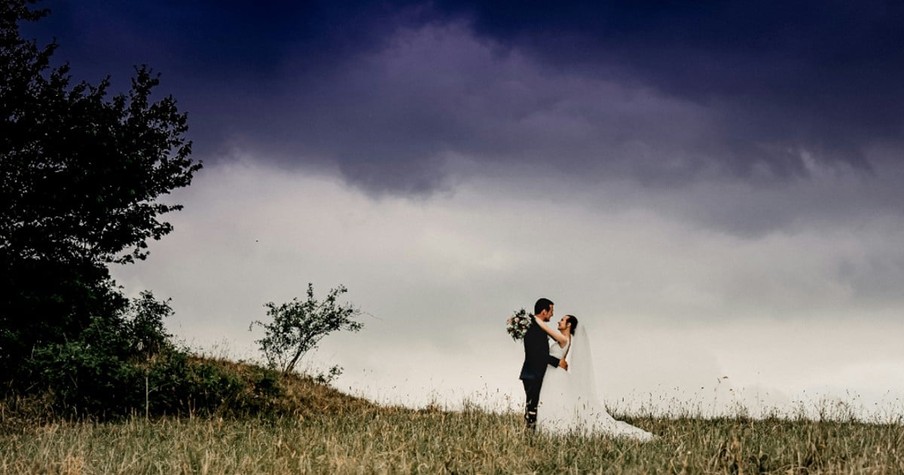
pixel 822 75
pixel 438 105
pixel 399 120
pixel 418 98
pixel 661 94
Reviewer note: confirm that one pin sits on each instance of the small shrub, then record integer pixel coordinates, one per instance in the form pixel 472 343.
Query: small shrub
pixel 297 327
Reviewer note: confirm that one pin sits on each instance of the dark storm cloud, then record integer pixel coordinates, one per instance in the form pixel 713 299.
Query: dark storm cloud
pixel 397 95
pixel 216 37
pixel 823 75
pixel 219 58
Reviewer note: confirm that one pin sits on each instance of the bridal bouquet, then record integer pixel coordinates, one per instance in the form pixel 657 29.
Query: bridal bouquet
pixel 517 324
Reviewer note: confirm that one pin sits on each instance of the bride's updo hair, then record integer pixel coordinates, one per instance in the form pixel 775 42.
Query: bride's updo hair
pixel 573 321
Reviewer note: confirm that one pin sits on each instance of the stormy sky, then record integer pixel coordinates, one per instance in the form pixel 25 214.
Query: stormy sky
pixel 713 187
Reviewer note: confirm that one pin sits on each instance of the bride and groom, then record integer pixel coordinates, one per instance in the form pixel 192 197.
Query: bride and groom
pixel 559 381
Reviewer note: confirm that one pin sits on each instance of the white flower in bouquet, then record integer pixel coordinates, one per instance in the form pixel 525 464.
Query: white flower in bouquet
pixel 517 324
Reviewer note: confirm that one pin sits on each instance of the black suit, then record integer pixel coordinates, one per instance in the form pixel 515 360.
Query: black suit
pixel 536 357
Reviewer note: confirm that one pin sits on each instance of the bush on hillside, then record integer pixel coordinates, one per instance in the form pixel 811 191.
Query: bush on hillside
pixel 126 364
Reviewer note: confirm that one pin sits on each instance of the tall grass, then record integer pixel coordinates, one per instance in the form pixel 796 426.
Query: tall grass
pixel 308 427
pixel 369 439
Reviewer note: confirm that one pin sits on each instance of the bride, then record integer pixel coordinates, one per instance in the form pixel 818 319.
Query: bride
pixel 569 402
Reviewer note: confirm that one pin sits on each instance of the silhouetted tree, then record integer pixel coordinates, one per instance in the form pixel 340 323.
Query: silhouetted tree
pixel 297 327
pixel 80 178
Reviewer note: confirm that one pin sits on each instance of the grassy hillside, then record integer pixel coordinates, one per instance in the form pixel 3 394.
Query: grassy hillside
pixel 328 432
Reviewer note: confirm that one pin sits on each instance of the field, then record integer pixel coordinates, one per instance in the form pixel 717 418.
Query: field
pixel 371 439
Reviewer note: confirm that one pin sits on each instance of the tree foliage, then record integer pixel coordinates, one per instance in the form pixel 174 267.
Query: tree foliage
pixel 297 327
pixel 81 175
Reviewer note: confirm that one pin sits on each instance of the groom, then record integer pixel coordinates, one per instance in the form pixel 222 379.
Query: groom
pixel 536 357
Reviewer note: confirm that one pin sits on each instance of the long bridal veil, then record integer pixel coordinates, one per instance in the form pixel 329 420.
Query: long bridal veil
pixel 570 402
pixel 580 367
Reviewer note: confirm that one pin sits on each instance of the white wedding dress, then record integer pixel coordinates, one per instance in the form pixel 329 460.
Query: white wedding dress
pixel 569 402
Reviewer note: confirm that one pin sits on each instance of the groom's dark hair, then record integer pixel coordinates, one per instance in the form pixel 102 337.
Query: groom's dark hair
pixel 541 305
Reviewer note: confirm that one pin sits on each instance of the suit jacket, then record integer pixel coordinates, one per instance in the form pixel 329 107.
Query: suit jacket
pixel 536 353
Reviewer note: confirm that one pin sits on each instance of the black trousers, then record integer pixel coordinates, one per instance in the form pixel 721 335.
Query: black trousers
pixel 532 393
